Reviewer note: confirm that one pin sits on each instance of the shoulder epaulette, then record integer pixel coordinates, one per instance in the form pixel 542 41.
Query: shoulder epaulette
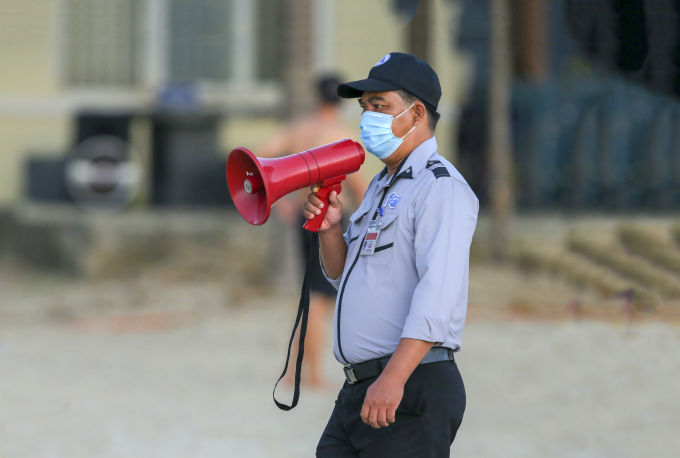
pixel 438 169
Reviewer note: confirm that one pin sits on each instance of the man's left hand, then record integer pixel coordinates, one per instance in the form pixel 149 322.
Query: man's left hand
pixel 381 402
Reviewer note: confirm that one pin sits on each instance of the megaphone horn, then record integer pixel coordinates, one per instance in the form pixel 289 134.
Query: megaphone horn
pixel 255 184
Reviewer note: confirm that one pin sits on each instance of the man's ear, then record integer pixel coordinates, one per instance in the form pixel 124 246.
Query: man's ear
pixel 419 113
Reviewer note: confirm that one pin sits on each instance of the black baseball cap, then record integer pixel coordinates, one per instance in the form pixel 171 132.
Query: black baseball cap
pixel 395 71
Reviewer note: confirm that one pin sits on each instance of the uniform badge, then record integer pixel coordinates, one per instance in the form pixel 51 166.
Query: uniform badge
pixel 383 60
pixel 393 200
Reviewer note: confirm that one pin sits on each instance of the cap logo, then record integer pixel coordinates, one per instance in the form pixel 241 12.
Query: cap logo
pixel 383 60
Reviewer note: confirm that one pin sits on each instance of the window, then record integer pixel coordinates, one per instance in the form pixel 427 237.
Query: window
pixel 100 42
pixel 270 40
pixel 201 41
pixel 132 43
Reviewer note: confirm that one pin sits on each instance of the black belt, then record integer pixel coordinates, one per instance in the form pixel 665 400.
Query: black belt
pixel 356 372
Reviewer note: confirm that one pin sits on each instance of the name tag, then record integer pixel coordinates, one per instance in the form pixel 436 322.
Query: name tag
pixel 371 240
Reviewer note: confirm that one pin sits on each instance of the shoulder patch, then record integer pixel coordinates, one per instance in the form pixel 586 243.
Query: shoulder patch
pixel 438 169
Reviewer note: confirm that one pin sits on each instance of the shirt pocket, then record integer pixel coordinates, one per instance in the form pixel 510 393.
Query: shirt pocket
pixel 354 229
pixel 356 221
pixel 356 218
pixel 385 247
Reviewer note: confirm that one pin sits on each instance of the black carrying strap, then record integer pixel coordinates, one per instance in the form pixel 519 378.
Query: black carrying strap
pixel 301 320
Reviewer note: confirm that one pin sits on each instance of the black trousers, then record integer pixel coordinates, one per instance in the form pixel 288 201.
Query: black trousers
pixel 427 418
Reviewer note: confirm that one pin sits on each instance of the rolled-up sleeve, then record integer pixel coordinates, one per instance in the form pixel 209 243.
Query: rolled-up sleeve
pixel 445 219
pixel 337 281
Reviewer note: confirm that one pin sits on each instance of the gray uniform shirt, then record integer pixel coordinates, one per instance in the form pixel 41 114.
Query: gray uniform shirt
pixel 416 283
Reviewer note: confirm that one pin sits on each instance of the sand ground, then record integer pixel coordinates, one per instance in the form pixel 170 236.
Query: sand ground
pixel 120 381
pixel 534 390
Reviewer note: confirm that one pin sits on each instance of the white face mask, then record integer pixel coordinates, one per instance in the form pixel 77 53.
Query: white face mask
pixel 377 135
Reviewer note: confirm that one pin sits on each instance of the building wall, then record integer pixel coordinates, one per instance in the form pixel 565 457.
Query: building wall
pixel 21 136
pixel 26 29
pixel 36 110
pixel 365 31
pixel 28 76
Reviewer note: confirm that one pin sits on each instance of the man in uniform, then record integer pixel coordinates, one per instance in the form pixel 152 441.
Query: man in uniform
pixel 401 271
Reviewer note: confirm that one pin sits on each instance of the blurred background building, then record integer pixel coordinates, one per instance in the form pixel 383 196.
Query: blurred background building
pixel 185 81
pixel 594 110
pixel 558 105
pixel 548 105
pixel 114 105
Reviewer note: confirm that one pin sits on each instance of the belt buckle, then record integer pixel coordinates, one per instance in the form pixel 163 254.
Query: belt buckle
pixel 349 374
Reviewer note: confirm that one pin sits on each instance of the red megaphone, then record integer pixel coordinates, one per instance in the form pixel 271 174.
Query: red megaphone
pixel 256 183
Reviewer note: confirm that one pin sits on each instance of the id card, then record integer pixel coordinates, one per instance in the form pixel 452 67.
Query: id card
pixel 371 240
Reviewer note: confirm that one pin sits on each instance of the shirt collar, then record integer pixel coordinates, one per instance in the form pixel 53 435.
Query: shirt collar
pixel 414 162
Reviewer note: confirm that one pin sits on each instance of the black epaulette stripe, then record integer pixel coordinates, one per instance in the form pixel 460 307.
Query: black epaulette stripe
pixel 438 169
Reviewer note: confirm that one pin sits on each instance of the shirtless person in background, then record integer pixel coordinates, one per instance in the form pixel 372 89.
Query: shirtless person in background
pixel 321 127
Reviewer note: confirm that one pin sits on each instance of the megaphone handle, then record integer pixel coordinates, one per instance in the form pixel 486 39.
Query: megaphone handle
pixel 324 191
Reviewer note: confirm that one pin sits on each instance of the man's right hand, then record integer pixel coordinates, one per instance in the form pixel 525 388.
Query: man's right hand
pixel 332 246
pixel 333 216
